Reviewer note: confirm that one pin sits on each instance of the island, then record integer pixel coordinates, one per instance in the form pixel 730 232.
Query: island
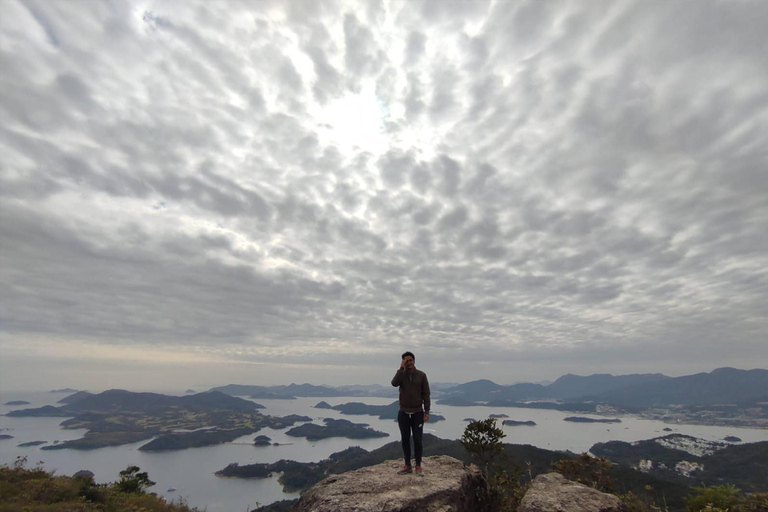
pixel 335 428
pixel 384 412
pixel 5 436
pixel 516 423
pixel 581 419
pixel 296 476
pixel 262 441
pixel 498 416
pixel 190 392
pixel 31 443
pixel 732 439
pixel 63 390
pixel 118 417
pixel 267 395
pixel 17 402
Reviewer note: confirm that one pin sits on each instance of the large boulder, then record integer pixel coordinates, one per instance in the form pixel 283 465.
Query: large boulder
pixel 552 492
pixel 447 486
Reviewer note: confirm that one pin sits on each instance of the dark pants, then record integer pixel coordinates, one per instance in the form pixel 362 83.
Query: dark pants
pixel 408 423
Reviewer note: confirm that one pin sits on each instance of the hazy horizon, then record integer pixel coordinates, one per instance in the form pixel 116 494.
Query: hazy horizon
pixel 168 387
pixel 197 194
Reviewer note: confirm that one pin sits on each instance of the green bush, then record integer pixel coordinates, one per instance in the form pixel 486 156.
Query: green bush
pixel 715 498
pixel 131 481
pixel 482 439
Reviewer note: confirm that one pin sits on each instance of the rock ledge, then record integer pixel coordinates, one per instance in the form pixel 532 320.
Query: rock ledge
pixel 447 486
pixel 552 492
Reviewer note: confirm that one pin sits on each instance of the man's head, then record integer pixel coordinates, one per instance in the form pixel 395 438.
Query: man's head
pixel 409 360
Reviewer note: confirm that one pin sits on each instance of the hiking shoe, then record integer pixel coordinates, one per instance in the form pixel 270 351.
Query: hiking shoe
pixel 405 470
pixel 419 472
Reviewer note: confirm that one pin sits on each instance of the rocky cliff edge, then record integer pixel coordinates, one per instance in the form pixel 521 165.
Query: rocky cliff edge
pixel 447 486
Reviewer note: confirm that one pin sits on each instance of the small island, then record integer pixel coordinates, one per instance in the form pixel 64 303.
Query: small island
pixel 335 428
pixel 384 412
pixel 498 416
pixel 732 439
pixel 516 423
pixel 5 436
pixel 63 390
pixel 262 441
pixel 17 402
pixel 581 419
pixel 31 443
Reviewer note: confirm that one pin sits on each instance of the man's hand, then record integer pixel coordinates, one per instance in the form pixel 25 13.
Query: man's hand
pixel 402 364
pixel 426 417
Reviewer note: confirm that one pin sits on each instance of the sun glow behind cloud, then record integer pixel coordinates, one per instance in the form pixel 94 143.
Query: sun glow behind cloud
pixel 354 122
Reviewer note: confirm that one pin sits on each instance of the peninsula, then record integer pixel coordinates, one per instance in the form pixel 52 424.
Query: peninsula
pixel 117 417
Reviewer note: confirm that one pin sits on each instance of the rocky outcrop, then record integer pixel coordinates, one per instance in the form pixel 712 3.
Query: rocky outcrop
pixel 552 492
pixel 447 486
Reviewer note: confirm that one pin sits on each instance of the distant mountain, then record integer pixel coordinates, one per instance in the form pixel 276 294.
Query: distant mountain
pixel 574 386
pixel 119 400
pixel 307 390
pixel 720 386
pixel 442 386
pixel 290 391
pixel 489 391
pixel 477 386
pixel 374 390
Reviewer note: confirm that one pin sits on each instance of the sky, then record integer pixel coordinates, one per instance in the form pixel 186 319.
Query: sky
pixel 196 193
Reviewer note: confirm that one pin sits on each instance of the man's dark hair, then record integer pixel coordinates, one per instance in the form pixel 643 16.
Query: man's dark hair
pixel 406 354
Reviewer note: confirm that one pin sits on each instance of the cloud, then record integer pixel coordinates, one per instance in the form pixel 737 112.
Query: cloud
pixel 321 184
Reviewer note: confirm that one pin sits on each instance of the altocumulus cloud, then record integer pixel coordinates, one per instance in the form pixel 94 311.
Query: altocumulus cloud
pixel 550 183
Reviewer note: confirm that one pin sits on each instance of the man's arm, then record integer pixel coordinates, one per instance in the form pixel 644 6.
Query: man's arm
pixel 425 394
pixel 398 378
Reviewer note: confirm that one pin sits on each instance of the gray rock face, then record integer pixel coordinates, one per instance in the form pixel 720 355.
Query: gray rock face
pixel 447 486
pixel 552 492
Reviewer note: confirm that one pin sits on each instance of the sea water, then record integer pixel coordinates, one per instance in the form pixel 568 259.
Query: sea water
pixel 191 471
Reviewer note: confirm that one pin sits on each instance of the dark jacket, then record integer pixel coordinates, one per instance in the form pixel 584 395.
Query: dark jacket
pixel 414 390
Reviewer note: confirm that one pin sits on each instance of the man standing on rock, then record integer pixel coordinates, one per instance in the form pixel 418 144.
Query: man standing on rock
pixel 414 391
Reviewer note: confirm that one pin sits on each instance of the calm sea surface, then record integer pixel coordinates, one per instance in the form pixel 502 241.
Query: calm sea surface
pixel 191 471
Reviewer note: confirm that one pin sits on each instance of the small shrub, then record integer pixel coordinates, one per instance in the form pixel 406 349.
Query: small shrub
pixel 482 439
pixel 585 469
pixel 718 497
pixel 131 481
